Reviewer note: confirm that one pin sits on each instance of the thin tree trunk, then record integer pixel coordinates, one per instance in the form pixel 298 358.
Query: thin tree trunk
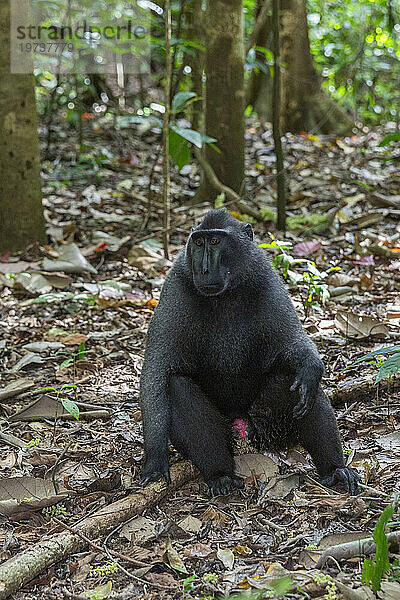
pixel 21 212
pixel 195 33
pixel 276 104
pixel 166 169
pixel 259 90
pixel 225 94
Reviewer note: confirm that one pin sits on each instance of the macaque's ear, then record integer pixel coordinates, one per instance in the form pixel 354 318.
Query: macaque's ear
pixel 248 230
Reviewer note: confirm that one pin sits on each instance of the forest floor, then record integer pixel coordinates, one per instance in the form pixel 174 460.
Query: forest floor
pixel 75 313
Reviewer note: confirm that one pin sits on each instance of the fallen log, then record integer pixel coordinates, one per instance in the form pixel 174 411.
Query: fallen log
pixel 363 547
pixel 22 568
pixel 355 389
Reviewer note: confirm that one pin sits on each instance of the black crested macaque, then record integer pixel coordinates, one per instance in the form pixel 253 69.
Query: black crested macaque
pixel 225 343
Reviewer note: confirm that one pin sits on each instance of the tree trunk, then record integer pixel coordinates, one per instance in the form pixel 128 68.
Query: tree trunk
pixel 225 94
pixel 259 91
pixel 195 33
pixel 21 212
pixel 305 105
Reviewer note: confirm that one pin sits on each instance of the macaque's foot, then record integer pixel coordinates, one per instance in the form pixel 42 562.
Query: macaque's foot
pixel 155 469
pixel 348 478
pixel 226 484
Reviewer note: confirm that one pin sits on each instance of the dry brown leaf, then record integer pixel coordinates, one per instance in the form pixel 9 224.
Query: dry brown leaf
pixel 357 326
pixel 190 524
pixel 74 339
pixel 29 493
pixel 280 487
pixel 255 465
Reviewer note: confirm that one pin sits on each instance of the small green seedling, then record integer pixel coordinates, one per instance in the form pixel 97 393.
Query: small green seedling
pixel 33 443
pixel 331 589
pixel 79 355
pixel 69 405
pixel 187 585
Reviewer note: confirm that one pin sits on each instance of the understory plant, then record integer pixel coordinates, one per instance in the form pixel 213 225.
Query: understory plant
pixel 310 283
pixel 373 570
pixel 385 368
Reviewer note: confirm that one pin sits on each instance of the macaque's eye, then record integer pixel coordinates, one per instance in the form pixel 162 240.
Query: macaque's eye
pixel 214 241
pixel 199 242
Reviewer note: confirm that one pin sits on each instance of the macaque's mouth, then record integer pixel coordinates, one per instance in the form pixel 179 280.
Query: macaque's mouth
pixel 211 290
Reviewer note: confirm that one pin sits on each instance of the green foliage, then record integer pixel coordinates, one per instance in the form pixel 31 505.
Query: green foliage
pixel 54 511
pixel 69 405
pixel 310 283
pixel 393 137
pixel 374 570
pixel 268 214
pixel 180 138
pixel 219 200
pixel 181 101
pixel 356 49
pixel 310 221
pixel 103 570
pixel 187 585
pixel 331 589
pixel 61 296
pixel 33 443
pixel 385 369
pixel 211 578
pixel 75 356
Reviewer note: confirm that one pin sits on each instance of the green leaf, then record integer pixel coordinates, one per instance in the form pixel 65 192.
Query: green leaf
pixel 393 137
pixel 178 149
pixel 180 99
pixel 192 136
pixel 387 350
pixel 390 367
pixel 66 363
pixel 81 350
pixel 219 200
pixel 374 570
pixel 71 407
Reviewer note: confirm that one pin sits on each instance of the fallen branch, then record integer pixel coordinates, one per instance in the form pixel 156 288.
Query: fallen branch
pixel 363 547
pixel 22 568
pixel 355 389
pixel 230 194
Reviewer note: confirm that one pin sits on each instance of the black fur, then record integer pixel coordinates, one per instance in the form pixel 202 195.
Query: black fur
pixel 225 342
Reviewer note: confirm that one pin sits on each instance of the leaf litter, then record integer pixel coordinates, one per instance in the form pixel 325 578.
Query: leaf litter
pixel 95 289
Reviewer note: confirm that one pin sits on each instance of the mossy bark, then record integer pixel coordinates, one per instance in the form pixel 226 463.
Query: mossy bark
pixel 305 106
pixel 224 119
pixel 21 211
